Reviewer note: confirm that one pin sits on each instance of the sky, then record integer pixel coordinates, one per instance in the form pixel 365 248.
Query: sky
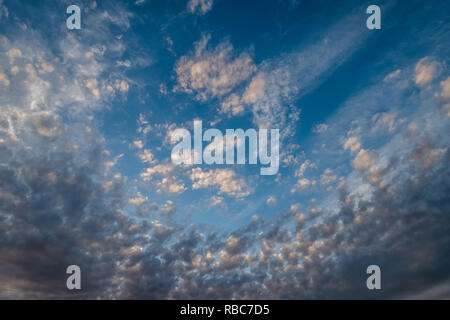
pixel 86 118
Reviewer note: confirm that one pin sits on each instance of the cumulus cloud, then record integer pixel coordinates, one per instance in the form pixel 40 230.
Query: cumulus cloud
pixel 363 160
pixel 384 121
pixel 212 72
pixel 225 180
pixel 352 143
pixel 320 128
pixel 271 201
pixel 445 85
pixel 199 6
pixel 138 200
pixel 425 70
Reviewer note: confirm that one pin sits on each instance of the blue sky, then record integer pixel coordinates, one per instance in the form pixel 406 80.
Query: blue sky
pixel 86 119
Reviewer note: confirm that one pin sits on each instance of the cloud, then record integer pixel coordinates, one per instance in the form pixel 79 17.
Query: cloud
pixel 3 10
pixel 13 54
pixel 212 72
pixel 385 121
pixel 159 169
pixel 216 200
pixel 271 201
pixel 200 7
pixel 425 70
pixel 392 75
pixel 138 144
pixel 445 85
pixel 138 201
pixel 320 128
pixel 224 179
pixel 147 157
pixel 4 79
pixel 353 143
pixel 363 160
pixel 301 185
pixel 170 185
pixel 327 177
pixel 232 105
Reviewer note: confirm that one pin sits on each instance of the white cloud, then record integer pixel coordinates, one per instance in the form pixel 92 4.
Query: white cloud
pixel 199 6
pixel 224 179
pixel 3 10
pixel 320 128
pixel 327 177
pixel 383 120
pixel 301 185
pixel 256 89
pixel 232 105
pixel 170 185
pixel 216 200
pixel 445 86
pixel 363 160
pixel 4 79
pixel 92 85
pixel 425 70
pixel 159 169
pixel 147 156
pixel 301 171
pixel 353 143
pixel 14 54
pixel 212 72
pixel 392 75
pixel 138 144
pixel 138 201
pixel 271 201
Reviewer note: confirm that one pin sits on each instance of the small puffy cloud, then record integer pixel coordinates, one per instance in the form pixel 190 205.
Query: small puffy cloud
pixel 383 121
pixel 159 169
pixel 3 10
pixel 170 185
pixel 256 89
pixel 425 155
pixel 43 66
pixel 445 86
pixel 31 71
pixel 212 72
pixel 92 85
pixel 224 179
pixel 147 156
pixel 232 105
pixel 138 144
pixel 392 75
pixel 47 125
pixel 216 200
pixel 363 160
pixel 271 201
pixel 4 79
pixel 327 177
pixel 199 6
pixel 320 128
pixel 14 54
pixel 424 71
pixel 138 200
pixel 301 171
pixel 353 143
pixel 234 244
pixel 15 70
pixel 168 207
pixel 122 85
pixel 301 185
